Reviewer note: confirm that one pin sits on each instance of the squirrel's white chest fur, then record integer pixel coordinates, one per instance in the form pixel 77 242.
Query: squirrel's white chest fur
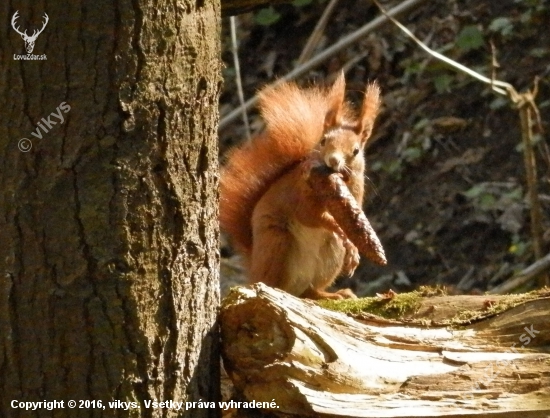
pixel 315 257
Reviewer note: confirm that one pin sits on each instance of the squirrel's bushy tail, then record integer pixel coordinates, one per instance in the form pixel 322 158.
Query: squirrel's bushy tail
pixel 295 119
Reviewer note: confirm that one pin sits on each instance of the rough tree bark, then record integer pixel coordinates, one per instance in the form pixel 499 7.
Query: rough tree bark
pixel 108 224
pixel 313 362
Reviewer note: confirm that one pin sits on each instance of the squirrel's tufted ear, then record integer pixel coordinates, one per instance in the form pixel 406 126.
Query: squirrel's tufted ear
pixel 369 111
pixel 335 100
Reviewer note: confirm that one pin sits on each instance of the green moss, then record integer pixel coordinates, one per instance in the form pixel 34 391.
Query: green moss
pixel 405 304
pixel 398 306
pixel 513 300
pixel 493 306
pixel 429 291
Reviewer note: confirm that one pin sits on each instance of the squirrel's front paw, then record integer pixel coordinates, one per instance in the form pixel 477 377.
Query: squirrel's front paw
pixel 308 165
pixel 351 259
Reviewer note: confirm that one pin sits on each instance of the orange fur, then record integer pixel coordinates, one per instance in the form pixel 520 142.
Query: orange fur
pixel 265 206
pixel 295 120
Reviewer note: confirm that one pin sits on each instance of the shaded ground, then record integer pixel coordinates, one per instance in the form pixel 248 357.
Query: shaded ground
pixel 446 178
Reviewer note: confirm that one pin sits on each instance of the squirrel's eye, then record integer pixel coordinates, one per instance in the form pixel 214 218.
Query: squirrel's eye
pixel 355 151
pixel 323 141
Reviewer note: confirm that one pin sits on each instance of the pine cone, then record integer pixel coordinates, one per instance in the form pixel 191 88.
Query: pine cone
pixel 331 190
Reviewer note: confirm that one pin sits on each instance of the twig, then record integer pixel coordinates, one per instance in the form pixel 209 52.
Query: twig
pixel 315 36
pixel 494 62
pixel 504 270
pixel 500 87
pixel 235 50
pixel 531 174
pixel 534 270
pixel 466 283
pixel 326 54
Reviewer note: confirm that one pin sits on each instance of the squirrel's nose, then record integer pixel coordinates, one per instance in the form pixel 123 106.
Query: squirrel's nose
pixel 333 161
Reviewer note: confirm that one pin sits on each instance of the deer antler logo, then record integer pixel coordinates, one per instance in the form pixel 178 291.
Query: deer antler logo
pixel 29 40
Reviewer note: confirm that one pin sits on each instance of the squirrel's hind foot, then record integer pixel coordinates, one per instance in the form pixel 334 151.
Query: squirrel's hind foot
pixel 317 294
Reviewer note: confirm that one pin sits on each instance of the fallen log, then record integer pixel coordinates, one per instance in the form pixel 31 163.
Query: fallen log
pixel 310 361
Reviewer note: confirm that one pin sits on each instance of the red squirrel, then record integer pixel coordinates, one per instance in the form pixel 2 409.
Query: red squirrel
pixel 266 205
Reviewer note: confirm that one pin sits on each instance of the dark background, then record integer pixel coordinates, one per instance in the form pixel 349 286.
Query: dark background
pixel 446 180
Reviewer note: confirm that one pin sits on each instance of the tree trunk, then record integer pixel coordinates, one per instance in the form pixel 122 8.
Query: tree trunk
pixel 313 362
pixel 108 224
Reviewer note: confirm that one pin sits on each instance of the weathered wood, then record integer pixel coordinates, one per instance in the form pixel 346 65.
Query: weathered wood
pixel 316 362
